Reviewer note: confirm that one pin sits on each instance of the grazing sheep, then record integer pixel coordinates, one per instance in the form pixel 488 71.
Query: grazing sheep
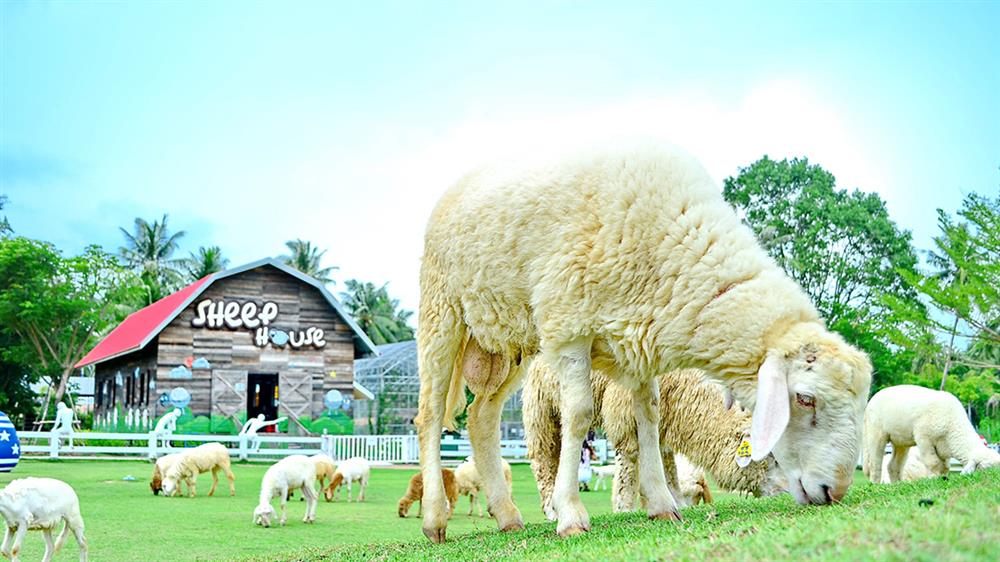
pixel 353 469
pixel 470 484
pixel 913 469
pixel 40 503
pixel 694 421
pixel 692 488
pixel 933 420
pixel 631 263
pixel 192 462
pixel 160 468
pixel 324 469
pixel 415 493
pixel 290 473
pixel 603 473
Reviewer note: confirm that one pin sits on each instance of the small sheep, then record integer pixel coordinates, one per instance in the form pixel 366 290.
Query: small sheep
pixel 290 473
pixel 192 462
pixel 692 488
pixel 40 503
pixel 160 467
pixel 415 493
pixel 913 469
pixel 603 474
pixel 324 469
pixel 353 469
pixel 471 484
pixel 933 420
pixel 631 263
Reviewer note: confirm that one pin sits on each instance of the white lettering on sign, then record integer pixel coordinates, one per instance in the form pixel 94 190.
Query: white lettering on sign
pixel 216 315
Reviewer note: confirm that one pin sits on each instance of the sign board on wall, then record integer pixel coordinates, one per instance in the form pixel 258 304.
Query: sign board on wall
pixel 234 315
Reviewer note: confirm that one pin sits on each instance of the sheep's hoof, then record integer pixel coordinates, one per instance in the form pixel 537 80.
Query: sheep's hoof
pixel 436 535
pixel 573 531
pixel 666 516
pixel 513 526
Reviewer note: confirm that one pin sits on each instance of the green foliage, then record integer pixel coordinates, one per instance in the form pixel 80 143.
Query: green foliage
pixel 147 251
pixel 308 259
pixel 204 263
pixel 5 228
pixel 377 313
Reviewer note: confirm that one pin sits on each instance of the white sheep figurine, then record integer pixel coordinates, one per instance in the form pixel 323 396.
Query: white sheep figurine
pixel 470 484
pixel 933 420
pixel 290 473
pixel 629 262
pixel 192 462
pixel 40 503
pixel 354 469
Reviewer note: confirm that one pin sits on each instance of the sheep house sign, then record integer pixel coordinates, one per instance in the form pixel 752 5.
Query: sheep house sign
pixel 234 315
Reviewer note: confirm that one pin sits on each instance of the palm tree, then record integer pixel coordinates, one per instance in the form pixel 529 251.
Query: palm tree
pixel 148 250
pixel 306 258
pixel 205 262
pixel 377 313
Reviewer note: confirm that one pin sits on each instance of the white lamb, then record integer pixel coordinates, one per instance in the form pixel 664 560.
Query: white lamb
pixel 933 420
pixel 160 468
pixel 629 262
pixel 192 462
pixel 692 487
pixel 351 470
pixel 290 473
pixel 603 474
pixel 40 503
pixel 469 483
pixel 913 469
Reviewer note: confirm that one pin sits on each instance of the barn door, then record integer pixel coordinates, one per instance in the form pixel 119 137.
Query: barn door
pixel 229 390
pixel 295 390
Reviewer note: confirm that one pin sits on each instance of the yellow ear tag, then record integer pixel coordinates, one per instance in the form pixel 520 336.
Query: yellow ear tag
pixel 743 453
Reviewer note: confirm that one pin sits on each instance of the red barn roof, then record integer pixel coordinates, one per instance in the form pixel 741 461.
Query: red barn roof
pixel 143 325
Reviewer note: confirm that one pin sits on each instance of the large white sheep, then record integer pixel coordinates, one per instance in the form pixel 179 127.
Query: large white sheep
pixel 629 262
pixel 354 469
pixel 933 420
pixel 470 484
pixel 694 421
pixel 40 503
pixel 192 462
pixel 290 473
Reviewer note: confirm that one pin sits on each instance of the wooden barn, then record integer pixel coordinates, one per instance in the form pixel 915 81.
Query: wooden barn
pixel 258 339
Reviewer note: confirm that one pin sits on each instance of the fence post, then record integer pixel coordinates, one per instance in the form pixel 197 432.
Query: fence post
pixel 53 445
pixel 243 446
pixel 152 445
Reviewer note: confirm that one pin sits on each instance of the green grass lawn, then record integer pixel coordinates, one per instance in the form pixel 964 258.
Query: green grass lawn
pixel 126 522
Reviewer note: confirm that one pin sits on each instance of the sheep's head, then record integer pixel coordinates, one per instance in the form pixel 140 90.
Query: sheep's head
pixel 328 492
pixel 262 515
pixel 808 411
pixel 335 482
pixel 156 485
pixel 981 457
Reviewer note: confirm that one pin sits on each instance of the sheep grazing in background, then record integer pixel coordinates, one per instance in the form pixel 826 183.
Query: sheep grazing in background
pixel 192 462
pixel 631 263
pixel 933 420
pixel 694 421
pixel 160 468
pixel 290 473
pixel 471 484
pixel 354 469
pixel 692 488
pixel 325 469
pixel 601 474
pixel 40 504
pixel 913 469
pixel 415 493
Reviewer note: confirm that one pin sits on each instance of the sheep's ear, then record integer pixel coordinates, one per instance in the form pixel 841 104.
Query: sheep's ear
pixel 770 413
pixel 727 398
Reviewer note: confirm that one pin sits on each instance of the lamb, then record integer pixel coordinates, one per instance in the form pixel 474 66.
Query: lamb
pixel 324 469
pixel 192 462
pixel 692 488
pixel 160 468
pixel 933 420
pixel 470 484
pixel 290 473
pixel 353 469
pixel 687 402
pixel 415 493
pixel 40 503
pixel 913 469
pixel 631 263
pixel 602 474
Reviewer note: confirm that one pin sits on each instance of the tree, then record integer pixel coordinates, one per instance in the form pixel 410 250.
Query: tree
pixel 377 313
pixel 307 258
pixel 205 262
pixel 148 250
pixel 840 246
pixel 56 307
pixel 5 228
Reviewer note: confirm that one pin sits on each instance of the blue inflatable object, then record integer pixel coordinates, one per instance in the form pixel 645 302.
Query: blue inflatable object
pixel 10 446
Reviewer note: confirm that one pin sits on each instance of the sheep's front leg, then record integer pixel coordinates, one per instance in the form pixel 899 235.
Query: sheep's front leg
pixel 50 549
pixel 18 539
pixel 7 536
pixel 284 501
pixel 896 462
pixel 659 502
pixel 577 413
pixel 362 484
pixel 191 486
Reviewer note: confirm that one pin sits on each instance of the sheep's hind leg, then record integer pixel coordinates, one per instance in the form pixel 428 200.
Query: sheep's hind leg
pixel 572 366
pixel 50 549
pixel 311 501
pixel 659 502
pixel 215 480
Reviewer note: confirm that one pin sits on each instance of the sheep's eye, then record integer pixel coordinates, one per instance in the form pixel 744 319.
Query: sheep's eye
pixel 805 400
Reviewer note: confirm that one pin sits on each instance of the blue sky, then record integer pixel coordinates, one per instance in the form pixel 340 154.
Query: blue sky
pixel 254 123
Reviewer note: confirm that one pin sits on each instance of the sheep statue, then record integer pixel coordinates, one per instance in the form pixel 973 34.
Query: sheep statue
pixel 631 263
pixel 933 420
